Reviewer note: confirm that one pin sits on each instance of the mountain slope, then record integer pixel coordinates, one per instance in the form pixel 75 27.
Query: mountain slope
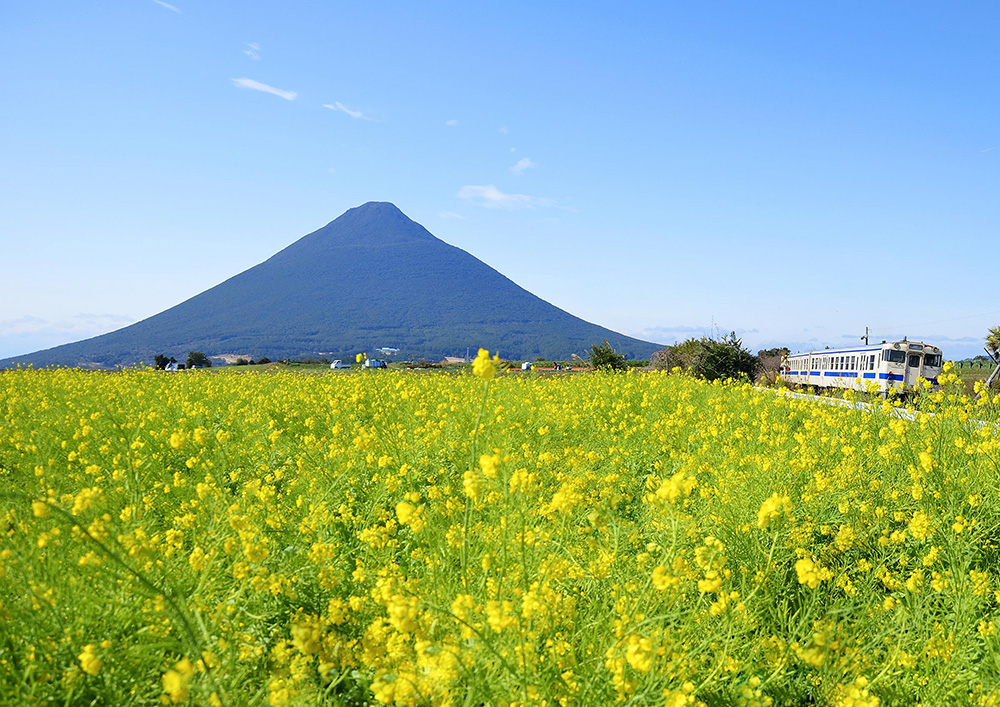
pixel 368 279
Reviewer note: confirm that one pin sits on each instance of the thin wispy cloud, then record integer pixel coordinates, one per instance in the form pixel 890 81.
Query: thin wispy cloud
pixel 30 333
pixel 451 123
pixel 489 197
pixel 338 106
pixel 167 5
pixel 504 130
pixel 988 149
pixel 251 51
pixel 522 164
pixel 451 214
pixel 264 88
pixel 76 324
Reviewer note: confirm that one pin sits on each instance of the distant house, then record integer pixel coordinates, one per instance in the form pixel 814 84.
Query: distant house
pixel 526 366
pixel 174 366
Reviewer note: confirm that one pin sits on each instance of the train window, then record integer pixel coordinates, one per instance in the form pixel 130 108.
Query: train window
pixel 871 363
pixel 932 360
pixel 894 356
pixel 854 363
pixel 914 360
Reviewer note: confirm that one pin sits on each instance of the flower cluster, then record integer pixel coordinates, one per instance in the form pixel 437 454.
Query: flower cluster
pixel 414 538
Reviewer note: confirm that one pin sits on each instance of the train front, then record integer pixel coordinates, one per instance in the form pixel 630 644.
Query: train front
pixel 904 362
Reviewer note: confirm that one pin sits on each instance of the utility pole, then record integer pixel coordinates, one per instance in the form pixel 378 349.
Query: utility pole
pixel 865 337
pixel 996 369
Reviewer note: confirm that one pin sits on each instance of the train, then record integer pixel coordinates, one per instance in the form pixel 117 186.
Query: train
pixel 877 367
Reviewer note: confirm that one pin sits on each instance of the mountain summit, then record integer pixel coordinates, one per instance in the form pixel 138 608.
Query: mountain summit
pixel 371 278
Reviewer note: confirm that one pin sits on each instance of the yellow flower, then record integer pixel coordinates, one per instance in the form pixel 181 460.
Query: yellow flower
pixel 771 509
pixel 410 515
pixel 711 583
pixel 489 464
pixel 89 661
pixel 198 559
pixel 675 487
pixel 359 358
pixel 639 653
pixel 855 695
pixel 472 484
pixel 175 681
pixel 662 579
pixel 306 633
pixel 920 526
pixel 810 573
pixel 845 538
pixel 484 366
pixel 279 693
pixel 40 509
pixel 500 615
pixel 85 499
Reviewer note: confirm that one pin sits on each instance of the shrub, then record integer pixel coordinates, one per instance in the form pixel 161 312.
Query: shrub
pixel 199 359
pixel 708 358
pixel 604 358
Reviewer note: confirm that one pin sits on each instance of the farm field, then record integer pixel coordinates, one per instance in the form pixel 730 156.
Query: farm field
pixel 401 538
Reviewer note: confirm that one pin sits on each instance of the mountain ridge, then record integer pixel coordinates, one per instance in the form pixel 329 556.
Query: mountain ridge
pixel 371 277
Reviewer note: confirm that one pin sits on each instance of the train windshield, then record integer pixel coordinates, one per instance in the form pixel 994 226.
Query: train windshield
pixel 893 356
pixel 932 360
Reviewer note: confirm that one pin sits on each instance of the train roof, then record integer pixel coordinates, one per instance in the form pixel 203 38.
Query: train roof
pixel 867 349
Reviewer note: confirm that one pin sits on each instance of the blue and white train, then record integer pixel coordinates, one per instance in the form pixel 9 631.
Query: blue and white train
pixel 887 365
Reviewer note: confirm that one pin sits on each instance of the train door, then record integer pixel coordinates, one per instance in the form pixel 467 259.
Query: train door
pixel 913 366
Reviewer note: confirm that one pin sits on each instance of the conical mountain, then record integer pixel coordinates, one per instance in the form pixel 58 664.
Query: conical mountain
pixel 371 278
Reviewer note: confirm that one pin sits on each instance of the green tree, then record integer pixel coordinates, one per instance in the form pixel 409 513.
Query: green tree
pixel 726 358
pixel 709 358
pixel 199 359
pixel 603 357
pixel 993 341
pixel 161 361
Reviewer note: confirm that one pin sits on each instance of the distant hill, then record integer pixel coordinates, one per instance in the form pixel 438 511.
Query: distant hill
pixel 369 279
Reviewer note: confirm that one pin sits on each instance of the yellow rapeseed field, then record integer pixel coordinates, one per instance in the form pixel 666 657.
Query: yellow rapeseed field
pixel 405 538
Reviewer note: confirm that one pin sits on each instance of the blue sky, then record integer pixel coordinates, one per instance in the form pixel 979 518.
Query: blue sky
pixel 793 171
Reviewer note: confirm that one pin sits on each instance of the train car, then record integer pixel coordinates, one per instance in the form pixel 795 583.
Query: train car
pixel 887 365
